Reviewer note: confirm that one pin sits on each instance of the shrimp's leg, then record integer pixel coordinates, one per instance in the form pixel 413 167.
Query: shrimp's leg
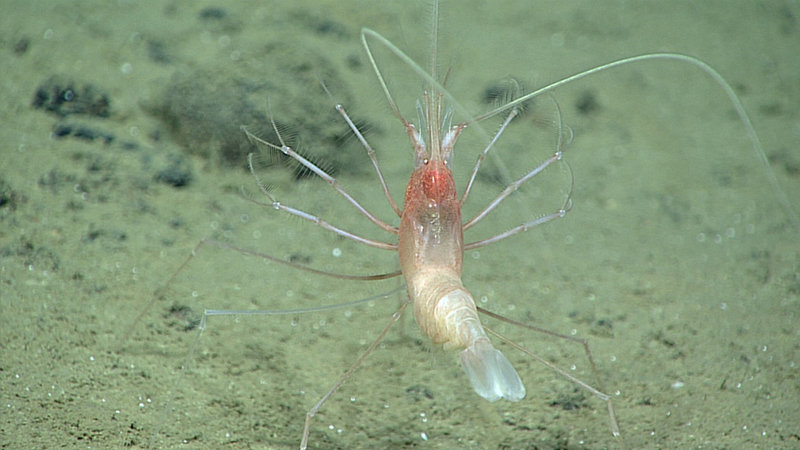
pixel 313 411
pixel 370 152
pixel 275 204
pixel 508 191
pixel 564 139
pixel 595 391
pixel 372 157
pixel 288 151
pixel 523 227
pixel 158 294
pixel 511 115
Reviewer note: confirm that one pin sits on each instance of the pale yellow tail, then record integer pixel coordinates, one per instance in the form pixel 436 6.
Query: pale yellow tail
pixel 490 372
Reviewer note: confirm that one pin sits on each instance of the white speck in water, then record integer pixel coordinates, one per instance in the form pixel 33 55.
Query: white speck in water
pixel 484 299
pixel 677 385
pixel 476 255
pixel 723 306
pixel 336 252
pixel 126 68
pixel 423 436
pixel 701 237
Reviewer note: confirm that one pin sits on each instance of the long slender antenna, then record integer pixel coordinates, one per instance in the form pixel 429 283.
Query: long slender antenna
pixel 434 42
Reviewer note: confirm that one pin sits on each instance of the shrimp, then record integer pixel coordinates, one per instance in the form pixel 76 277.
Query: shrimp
pixel 431 248
pixel 430 238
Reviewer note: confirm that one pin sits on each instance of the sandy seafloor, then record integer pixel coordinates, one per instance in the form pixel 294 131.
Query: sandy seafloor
pixel 677 261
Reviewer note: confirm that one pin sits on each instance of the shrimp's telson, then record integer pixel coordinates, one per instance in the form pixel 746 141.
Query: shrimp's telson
pixel 431 247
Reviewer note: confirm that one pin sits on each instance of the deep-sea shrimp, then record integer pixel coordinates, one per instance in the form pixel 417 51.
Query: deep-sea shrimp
pixel 430 237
